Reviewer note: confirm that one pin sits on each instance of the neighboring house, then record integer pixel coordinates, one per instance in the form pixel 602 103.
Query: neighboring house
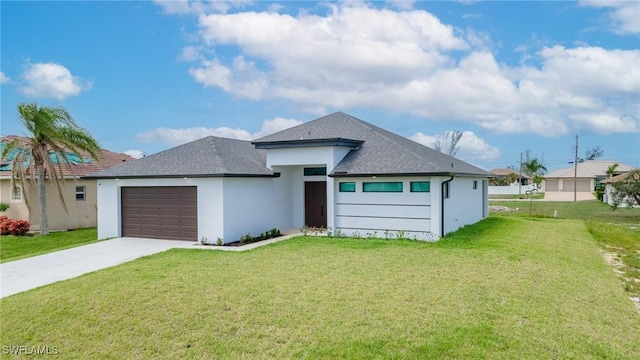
pixel 589 175
pixel 608 189
pixel 80 194
pixel 504 173
pixel 335 172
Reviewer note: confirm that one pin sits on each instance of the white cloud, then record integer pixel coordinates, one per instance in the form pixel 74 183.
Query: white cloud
pixel 175 137
pixel 51 80
pixel 188 7
pixel 472 148
pixel 136 154
pixel 358 56
pixel 4 78
pixel 623 15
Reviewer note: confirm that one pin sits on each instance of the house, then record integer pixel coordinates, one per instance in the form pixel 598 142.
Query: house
pixel 589 175
pixel 336 172
pixel 80 194
pixel 502 175
pixel 608 188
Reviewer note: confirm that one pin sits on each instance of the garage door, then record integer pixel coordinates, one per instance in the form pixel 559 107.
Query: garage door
pixel 551 185
pixel 160 212
pixel 583 185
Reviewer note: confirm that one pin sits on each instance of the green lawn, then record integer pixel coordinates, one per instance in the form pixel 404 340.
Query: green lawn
pixel 536 196
pixel 20 247
pixel 506 288
pixel 617 232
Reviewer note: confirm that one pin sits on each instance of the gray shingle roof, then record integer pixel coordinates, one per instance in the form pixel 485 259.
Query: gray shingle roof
pixel 208 157
pixel 382 153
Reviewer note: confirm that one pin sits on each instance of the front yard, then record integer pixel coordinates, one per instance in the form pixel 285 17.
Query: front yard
pixel 507 287
pixel 20 247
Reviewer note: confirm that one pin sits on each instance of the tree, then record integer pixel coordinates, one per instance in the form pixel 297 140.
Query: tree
pixel 627 190
pixel 593 153
pixel 534 168
pixel 448 143
pixel 53 136
pixel 612 169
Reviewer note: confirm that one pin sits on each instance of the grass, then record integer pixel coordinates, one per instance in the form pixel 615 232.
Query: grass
pixel 20 247
pixel 506 287
pixel 536 196
pixel 616 232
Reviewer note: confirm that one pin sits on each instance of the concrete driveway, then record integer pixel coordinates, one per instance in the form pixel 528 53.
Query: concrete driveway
pixel 22 275
pixel 567 196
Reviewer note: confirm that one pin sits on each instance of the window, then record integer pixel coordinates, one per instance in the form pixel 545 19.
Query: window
pixel 347 187
pixel 16 194
pixel 315 171
pixel 382 187
pixel 80 193
pixel 475 184
pixel 445 191
pixel 420 186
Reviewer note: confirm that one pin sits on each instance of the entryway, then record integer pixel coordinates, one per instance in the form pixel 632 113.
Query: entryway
pixel 315 204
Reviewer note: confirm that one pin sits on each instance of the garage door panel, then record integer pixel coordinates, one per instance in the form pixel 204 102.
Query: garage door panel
pixel 160 212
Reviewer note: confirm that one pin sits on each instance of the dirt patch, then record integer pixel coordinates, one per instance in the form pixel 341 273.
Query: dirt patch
pixel 618 267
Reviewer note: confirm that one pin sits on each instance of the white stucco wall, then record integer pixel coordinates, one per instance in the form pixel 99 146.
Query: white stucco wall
pixel 210 204
pixel 465 205
pixel 255 205
pixel 513 189
pixel 383 214
pixel 290 162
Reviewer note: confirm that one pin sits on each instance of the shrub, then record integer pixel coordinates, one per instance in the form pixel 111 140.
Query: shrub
pixel 13 227
pixel 4 207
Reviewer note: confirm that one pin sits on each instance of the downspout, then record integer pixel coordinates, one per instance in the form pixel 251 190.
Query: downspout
pixel 442 205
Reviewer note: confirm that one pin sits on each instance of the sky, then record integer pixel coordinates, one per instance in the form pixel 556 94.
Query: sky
pixel 142 77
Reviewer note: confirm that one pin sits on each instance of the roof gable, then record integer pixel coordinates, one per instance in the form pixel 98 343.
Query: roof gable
pixel 381 153
pixel 207 157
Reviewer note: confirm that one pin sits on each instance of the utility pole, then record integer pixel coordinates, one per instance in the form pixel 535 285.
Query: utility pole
pixel 520 177
pixel 575 172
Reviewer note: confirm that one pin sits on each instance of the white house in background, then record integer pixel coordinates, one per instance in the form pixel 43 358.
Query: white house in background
pixel 337 172
pixel 589 175
pixel 608 189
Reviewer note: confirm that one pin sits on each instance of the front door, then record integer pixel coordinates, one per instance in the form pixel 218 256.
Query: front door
pixel 315 204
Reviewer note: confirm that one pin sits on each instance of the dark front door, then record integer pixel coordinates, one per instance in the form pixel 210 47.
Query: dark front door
pixel 315 204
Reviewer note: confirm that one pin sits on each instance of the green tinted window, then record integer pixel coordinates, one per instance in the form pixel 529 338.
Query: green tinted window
pixel 382 187
pixel 347 187
pixel 315 171
pixel 420 186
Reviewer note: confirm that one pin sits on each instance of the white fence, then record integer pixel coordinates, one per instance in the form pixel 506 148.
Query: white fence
pixel 510 189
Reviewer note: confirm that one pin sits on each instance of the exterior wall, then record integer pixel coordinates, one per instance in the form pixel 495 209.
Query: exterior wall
pixel 17 210
pixel 384 214
pixel 465 205
pixel 512 189
pixel 566 184
pixel 79 214
pixel 290 163
pixel 608 190
pixel 210 204
pixel 254 205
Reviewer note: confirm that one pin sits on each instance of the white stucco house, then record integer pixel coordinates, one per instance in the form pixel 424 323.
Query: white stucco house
pixel 336 172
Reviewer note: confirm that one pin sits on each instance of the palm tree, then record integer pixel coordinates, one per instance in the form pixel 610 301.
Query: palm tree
pixel 535 169
pixel 53 136
pixel 612 169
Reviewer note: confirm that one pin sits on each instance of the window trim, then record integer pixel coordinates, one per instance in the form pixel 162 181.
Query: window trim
pixel 20 193
pixel 83 192
pixel 364 187
pixel 428 183
pixel 322 171
pixel 340 188
pixel 446 191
